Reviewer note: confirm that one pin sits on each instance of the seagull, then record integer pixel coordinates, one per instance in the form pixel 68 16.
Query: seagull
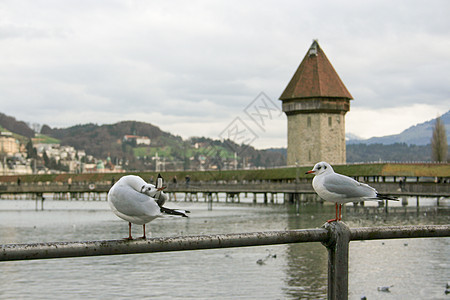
pixel 340 189
pixel 139 202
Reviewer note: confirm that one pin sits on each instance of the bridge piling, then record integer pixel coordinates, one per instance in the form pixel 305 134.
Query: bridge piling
pixel 210 201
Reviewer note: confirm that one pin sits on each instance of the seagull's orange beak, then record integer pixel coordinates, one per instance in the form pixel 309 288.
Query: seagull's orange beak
pixel 161 188
pixel 310 171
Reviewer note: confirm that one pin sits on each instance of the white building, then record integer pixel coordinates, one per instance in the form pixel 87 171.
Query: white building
pixel 140 140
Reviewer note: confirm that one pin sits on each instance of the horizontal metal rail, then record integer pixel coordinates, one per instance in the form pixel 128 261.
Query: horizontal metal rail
pixel 163 244
pixel 334 236
pixel 399 232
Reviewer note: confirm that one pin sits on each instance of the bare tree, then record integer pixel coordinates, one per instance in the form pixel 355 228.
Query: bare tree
pixel 439 142
pixel 36 127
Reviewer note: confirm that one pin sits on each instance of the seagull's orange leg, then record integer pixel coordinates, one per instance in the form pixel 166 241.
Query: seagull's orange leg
pixel 143 228
pixel 129 232
pixel 332 220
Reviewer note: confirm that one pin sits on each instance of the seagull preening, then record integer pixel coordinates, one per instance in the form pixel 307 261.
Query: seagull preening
pixel 341 189
pixel 139 202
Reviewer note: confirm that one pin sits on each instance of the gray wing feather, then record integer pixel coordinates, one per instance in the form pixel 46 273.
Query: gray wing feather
pixel 347 186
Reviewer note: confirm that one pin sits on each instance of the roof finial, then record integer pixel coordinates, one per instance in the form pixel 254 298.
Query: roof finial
pixel 313 49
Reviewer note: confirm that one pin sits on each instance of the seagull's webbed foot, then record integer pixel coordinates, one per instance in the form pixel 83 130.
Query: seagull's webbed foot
pixel 332 220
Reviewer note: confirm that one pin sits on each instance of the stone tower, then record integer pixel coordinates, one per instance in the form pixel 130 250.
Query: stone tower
pixel 315 102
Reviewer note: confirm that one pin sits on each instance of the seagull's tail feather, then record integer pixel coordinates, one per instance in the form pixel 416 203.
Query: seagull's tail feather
pixel 386 197
pixel 176 212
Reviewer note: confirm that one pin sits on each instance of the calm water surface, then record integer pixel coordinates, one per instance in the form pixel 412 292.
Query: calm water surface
pixel 417 268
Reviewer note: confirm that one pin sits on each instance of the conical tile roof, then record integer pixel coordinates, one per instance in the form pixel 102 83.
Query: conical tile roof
pixel 315 78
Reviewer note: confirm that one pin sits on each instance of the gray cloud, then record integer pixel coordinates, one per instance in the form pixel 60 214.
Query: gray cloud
pixel 198 64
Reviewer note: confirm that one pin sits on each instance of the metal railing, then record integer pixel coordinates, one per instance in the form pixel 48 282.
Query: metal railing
pixel 334 236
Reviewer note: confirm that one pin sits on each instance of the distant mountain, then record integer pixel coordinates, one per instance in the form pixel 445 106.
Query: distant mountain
pixel 419 134
pixel 352 138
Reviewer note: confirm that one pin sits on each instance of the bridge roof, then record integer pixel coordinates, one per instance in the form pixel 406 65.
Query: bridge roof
pixel 315 77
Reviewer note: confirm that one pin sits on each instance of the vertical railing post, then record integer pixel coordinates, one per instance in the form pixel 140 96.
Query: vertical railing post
pixel 337 246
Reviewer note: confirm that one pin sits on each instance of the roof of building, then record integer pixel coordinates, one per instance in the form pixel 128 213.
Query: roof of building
pixel 130 136
pixel 315 77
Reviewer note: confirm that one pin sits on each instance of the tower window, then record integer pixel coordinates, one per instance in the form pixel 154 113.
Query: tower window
pixel 308 122
pixel 330 121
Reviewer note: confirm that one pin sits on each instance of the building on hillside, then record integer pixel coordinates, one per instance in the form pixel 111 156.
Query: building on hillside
pixel 58 152
pixel 8 144
pixel 73 166
pixel 140 140
pixel 100 166
pixel 315 102
pixel 15 164
pixel 81 154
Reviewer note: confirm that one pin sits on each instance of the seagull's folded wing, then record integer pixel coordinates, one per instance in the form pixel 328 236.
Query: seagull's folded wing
pixel 348 187
pixel 132 203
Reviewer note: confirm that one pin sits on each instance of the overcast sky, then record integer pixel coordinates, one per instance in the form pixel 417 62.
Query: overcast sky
pixel 198 68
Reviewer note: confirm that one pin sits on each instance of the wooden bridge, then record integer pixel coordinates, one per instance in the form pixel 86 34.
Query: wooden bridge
pixel 397 179
pixel 87 191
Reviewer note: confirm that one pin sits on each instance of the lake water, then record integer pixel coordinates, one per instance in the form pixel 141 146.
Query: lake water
pixel 416 268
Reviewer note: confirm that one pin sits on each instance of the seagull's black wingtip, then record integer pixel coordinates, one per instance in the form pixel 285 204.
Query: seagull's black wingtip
pixel 386 197
pixel 170 211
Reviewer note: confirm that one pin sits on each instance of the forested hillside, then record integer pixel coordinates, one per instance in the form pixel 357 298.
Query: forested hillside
pixel 393 152
pixel 19 127
pixel 103 141
pixel 399 152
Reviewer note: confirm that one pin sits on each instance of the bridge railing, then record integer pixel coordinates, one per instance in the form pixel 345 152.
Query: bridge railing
pixel 334 236
pixel 393 188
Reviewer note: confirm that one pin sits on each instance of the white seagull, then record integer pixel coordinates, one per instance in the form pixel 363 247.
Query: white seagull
pixel 139 202
pixel 341 189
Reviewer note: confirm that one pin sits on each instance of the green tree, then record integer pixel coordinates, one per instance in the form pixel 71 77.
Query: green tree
pixel 31 151
pixel 46 159
pixel 439 142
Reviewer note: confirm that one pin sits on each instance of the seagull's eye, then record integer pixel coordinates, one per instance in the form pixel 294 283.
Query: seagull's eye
pixel 319 167
pixel 324 167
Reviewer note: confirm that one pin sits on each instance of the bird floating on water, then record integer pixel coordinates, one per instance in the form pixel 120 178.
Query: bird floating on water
pixel 341 189
pixel 139 202
pixel 384 288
